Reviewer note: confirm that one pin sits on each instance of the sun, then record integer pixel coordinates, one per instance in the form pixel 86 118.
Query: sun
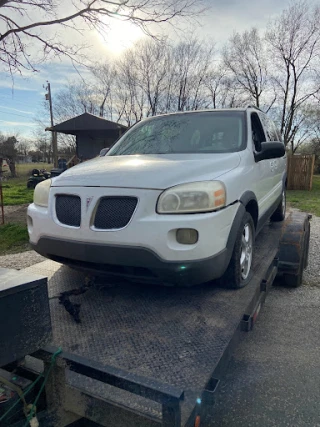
pixel 121 35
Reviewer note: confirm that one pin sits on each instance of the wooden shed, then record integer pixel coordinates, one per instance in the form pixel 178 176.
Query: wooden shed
pixel 92 133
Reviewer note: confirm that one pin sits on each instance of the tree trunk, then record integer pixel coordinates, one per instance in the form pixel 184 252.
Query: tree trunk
pixel 12 167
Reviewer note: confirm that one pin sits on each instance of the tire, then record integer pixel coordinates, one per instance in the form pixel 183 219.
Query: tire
pixel 280 213
pixel 238 273
pixel 295 280
pixel 307 244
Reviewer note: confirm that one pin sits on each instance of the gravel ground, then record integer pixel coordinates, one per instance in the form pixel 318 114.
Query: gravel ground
pixel 16 214
pixel 311 275
pixel 20 260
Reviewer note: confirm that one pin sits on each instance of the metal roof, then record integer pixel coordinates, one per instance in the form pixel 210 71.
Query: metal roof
pixel 85 123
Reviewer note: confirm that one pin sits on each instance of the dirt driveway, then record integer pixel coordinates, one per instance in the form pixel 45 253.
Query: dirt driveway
pixel 16 214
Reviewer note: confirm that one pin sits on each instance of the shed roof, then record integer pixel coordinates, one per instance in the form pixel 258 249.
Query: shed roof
pixel 85 123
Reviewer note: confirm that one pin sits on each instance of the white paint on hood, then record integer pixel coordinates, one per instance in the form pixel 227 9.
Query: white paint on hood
pixel 159 171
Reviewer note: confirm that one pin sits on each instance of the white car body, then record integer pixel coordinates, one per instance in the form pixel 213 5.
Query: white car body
pixel 147 247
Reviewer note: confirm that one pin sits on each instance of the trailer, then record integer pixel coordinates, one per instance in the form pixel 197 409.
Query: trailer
pixel 139 355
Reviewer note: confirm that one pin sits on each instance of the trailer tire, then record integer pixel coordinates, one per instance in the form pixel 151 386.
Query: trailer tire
pixel 293 281
pixel 295 248
pixel 236 276
pixel 307 245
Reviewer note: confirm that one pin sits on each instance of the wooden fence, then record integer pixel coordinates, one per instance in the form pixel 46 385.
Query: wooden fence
pixel 300 172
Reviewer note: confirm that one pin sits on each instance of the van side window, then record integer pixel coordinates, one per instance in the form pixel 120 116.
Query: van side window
pixel 258 135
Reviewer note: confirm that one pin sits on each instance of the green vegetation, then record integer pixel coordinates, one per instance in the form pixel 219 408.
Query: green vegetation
pixel 15 191
pixel 308 201
pixel 13 238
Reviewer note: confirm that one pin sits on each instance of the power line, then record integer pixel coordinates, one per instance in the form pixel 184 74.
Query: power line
pixel 14 114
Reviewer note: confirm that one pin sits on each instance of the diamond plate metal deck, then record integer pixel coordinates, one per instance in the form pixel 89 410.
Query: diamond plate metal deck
pixel 176 335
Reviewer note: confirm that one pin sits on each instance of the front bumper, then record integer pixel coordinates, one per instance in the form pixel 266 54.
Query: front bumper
pixel 147 243
pixel 133 263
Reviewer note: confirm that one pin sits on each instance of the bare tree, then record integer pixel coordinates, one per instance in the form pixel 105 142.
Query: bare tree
pixel 75 99
pixel 45 148
pixel 152 62
pixel 105 75
pixel 307 133
pixel 129 100
pixel 23 147
pixel 222 87
pixel 191 61
pixel 41 141
pixel 26 23
pixel 8 151
pixel 294 41
pixel 245 57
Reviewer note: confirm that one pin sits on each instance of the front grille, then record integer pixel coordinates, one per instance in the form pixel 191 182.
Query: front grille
pixel 68 209
pixel 114 212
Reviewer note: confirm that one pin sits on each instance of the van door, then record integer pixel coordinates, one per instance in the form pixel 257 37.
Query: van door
pixel 263 172
pixel 278 166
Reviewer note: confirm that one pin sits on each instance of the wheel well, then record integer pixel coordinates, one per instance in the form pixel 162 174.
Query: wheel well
pixel 252 208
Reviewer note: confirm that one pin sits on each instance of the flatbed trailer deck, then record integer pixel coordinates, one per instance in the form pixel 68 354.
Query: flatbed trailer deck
pixel 146 355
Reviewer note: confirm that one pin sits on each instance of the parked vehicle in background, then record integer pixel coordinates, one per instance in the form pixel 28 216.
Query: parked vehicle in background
pixel 37 176
pixel 178 200
pixel 62 166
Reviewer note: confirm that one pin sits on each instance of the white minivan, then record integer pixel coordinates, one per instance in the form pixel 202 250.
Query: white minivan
pixel 178 200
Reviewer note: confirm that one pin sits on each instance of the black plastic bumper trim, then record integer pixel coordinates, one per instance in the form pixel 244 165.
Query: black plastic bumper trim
pixel 132 262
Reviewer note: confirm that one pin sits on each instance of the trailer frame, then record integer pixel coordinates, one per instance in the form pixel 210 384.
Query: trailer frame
pixel 66 403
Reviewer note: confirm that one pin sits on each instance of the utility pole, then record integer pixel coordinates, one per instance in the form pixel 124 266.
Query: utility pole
pixel 53 134
pixel 1 193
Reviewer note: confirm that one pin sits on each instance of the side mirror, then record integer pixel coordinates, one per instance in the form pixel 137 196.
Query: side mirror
pixel 270 150
pixel 103 152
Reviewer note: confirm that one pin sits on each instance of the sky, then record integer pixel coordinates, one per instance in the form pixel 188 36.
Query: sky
pixel 21 99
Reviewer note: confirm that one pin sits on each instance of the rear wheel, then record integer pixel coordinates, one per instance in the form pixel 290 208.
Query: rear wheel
pixel 238 273
pixel 280 213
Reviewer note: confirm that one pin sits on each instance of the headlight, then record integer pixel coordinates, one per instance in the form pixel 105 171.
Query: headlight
pixel 195 197
pixel 41 193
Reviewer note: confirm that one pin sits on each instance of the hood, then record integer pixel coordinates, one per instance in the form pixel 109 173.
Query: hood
pixel 147 171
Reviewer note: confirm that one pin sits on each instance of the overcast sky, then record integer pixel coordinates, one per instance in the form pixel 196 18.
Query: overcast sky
pixel 19 103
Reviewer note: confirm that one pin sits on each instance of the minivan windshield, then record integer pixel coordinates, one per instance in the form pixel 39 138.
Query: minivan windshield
pixel 203 132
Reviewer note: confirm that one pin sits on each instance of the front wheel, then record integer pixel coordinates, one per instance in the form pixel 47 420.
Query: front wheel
pixel 238 273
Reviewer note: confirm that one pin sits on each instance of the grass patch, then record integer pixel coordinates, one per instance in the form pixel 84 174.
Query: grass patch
pixel 13 238
pixel 307 201
pixel 15 191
